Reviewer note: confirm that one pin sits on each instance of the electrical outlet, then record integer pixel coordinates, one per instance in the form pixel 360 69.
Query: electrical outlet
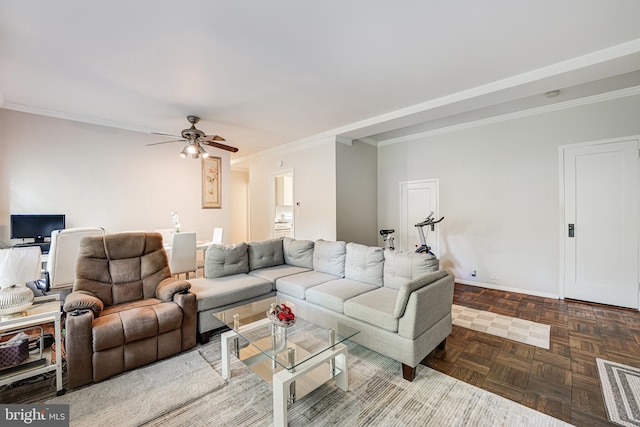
pixel 494 277
pixel 473 273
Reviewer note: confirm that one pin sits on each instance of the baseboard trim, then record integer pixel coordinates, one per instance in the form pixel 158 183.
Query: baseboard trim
pixel 507 289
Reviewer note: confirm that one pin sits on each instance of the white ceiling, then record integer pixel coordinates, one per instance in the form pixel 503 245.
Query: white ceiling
pixel 264 73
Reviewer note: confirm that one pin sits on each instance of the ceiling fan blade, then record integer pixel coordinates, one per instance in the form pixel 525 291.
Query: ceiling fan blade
pixel 165 134
pixel 221 146
pixel 210 138
pixel 165 142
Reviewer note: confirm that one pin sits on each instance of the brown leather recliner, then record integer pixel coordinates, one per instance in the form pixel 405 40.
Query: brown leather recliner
pixel 126 310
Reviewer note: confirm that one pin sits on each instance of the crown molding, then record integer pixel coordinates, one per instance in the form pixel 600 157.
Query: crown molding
pixel 593 99
pixel 76 117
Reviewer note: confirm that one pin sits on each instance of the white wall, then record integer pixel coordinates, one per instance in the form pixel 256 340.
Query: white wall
pixel 100 176
pixel 314 186
pixel 239 207
pixel 499 188
pixel 357 193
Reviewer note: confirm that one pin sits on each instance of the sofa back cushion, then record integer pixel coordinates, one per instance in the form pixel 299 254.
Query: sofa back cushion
pixel 403 267
pixel 225 260
pixel 298 253
pixel 329 257
pixel 364 264
pixel 266 253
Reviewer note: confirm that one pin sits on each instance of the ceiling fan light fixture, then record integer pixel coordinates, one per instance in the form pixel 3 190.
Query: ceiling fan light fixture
pixel 192 148
pixel 183 153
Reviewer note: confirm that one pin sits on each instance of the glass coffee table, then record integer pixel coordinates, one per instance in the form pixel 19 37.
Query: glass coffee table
pixel 295 360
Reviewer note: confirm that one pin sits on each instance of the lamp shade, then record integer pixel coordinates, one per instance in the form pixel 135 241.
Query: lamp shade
pixel 19 265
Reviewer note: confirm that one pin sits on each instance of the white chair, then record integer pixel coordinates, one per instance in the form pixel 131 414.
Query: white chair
pixel 216 238
pixel 166 235
pixel 217 235
pixel 183 253
pixel 63 254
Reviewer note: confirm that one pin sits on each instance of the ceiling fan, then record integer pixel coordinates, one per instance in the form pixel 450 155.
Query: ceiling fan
pixel 194 139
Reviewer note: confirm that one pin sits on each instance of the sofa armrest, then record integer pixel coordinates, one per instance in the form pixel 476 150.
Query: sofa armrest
pixel 426 307
pixel 83 300
pixel 78 343
pixel 187 301
pixel 171 286
pixel 406 289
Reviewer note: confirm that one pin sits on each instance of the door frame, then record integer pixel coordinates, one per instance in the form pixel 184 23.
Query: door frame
pixel 272 198
pixel 561 201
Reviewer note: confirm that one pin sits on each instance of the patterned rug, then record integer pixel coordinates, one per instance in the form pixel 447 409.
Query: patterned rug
pixel 515 329
pixel 377 396
pixel 621 390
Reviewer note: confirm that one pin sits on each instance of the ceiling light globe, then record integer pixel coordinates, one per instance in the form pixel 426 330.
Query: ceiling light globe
pixel 192 149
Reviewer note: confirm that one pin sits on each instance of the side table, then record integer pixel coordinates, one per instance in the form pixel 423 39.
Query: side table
pixel 44 310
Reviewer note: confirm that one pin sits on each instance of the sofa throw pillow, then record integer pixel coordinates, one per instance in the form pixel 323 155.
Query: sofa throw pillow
pixel 298 253
pixel 329 257
pixel 402 267
pixel 225 260
pixel 364 264
pixel 266 253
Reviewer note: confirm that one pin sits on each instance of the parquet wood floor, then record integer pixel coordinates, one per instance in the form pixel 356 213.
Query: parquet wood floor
pixel 562 381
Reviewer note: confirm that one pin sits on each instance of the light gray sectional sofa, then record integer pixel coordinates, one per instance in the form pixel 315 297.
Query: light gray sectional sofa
pixel 400 302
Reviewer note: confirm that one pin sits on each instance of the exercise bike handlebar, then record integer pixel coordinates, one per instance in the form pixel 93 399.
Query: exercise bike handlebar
pixel 428 221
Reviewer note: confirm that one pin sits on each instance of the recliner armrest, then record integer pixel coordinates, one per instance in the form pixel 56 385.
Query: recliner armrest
pixel 83 300
pixel 171 286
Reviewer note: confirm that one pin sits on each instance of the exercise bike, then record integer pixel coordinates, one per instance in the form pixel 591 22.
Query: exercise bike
pixel 387 235
pixel 431 221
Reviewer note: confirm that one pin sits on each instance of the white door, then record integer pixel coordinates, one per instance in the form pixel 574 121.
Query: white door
pixel 601 223
pixel 417 200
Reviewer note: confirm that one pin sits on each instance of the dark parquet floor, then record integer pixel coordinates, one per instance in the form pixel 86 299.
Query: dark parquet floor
pixel 562 381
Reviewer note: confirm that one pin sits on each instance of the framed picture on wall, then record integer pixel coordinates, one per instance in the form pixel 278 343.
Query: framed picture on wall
pixel 211 187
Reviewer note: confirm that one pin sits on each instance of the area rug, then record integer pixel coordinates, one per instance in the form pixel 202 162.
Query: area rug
pixel 135 397
pixel 377 396
pixel 524 331
pixel 621 390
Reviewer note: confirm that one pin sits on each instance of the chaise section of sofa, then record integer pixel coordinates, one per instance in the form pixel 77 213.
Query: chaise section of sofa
pixel 400 302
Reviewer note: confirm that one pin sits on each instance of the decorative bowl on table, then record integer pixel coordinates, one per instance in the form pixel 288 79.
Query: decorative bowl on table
pixel 281 315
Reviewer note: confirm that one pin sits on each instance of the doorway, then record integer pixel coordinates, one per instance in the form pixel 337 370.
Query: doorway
pixel 282 219
pixel 600 238
pixel 417 200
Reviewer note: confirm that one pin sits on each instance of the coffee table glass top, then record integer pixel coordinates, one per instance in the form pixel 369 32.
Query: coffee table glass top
pixel 308 339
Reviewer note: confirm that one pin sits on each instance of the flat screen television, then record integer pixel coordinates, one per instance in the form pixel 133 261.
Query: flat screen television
pixel 34 226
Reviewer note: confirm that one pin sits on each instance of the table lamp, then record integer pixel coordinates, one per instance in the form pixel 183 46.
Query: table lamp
pixel 17 267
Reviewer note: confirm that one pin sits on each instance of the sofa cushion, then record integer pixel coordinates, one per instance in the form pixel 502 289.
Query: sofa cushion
pixel 225 260
pixel 364 264
pixel 333 294
pixel 403 267
pixel 298 253
pixel 297 284
pixel 274 273
pixel 329 257
pixel 266 253
pixel 213 293
pixel 374 307
pixel 135 321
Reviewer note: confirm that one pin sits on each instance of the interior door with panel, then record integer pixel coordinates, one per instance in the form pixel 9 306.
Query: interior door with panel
pixel 601 236
pixel 417 200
